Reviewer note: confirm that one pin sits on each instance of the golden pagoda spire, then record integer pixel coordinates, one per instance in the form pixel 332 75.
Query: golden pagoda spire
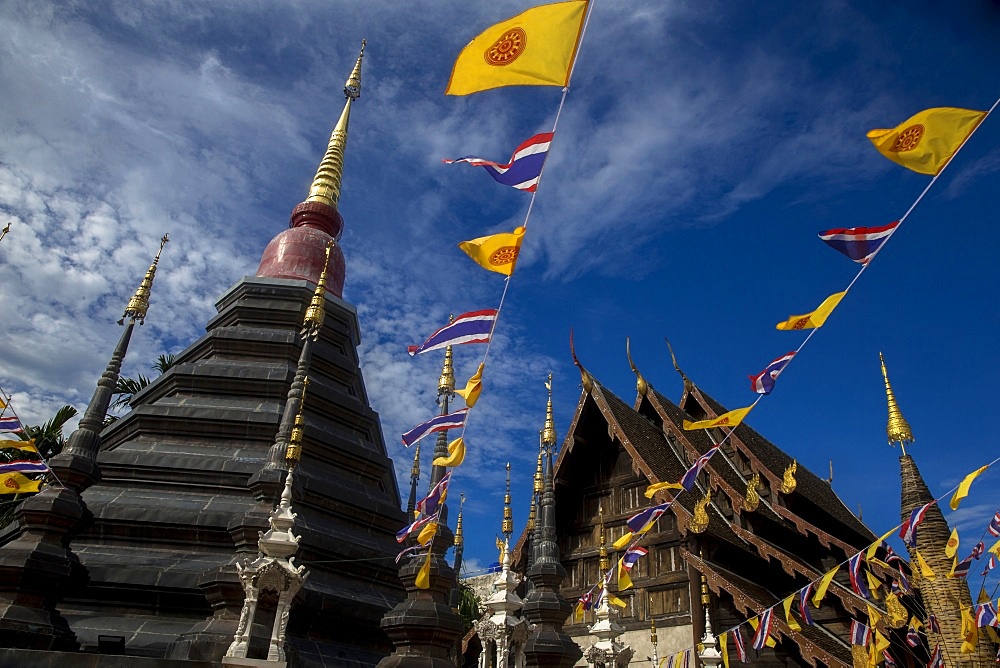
pixel 549 430
pixel 897 428
pixel 530 525
pixel 459 539
pixel 415 469
pixel 316 311
pixel 641 386
pixel 139 304
pixel 294 450
pixel 603 538
pixel 539 485
pixel 507 528
pixel 446 383
pixel 327 182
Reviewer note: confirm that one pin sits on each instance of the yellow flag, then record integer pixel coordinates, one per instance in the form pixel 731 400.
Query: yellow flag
pixel 423 580
pixel 970 632
pixel 724 648
pixel 951 547
pixel 814 319
pixel 534 48
pixel 926 141
pixel 873 615
pixel 27 446
pixel 657 486
pixel 881 642
pixel 789 619
pixel 983 596
pixel 624 581
pixel 578 611
pixel 3 404
pixel 456 454
pixel 730 419
pixel 995 549
pixel 824 584
pixel 873 584
pixel 963 488
pixel 472 388
pixel 623 541
pixel 427 533
pixel 925 569
pixel 896 611
pixel 16 483
pixel 615 601
pixel 870 554
pixel 497 252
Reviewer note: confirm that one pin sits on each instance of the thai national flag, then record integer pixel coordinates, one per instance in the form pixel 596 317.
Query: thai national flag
pixel 763 629
pixel 912 637
pixel 986 615
pixel 415 526
pixel 763 382
pixel 858 243
pixel 741 650
pixel 430 504
pixel 857 582
pixel 24 466
pixel 978 550
pixel 908 532
pixel 994 527
pixel 587 600
pixel 524 168
pixel 10 423
pixel 990 565
pixel 440 423
pixel 932 624
pixel 687 482
pixel 804 604
pixel 632 555
pixel 472 327
pixel 641 520
pixel 962 568
pixel 936 660
pixel 889 661
pixel 902 584
pixel 860 634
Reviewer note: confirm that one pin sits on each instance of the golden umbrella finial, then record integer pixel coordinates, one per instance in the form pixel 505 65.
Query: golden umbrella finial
pixel 508 516
pixel 446 383
pixel 459 539
pixel 549 430
pixel 316 311
pixel 294 450
pixel 415 469
pixel 327 182
pixel 603 538
pixel 539 483
pixel 139 304
pixel 641 386
pixel 897 428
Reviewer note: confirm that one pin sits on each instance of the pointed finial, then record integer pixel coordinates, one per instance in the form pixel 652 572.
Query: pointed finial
pixel 641 386
pixel 327 182
pixel 673 358
pixel 830 479
pixel 530 526
pixel 459 539
pixel 897 428
pixel 652 626
pixel 139 304
pixel 603 538
pixel 549 430
pixel 294 450
pixel 508 517
pixel 704 589
pixel 446 383
pixel 585 378
pixel 415 469
pixel 316 311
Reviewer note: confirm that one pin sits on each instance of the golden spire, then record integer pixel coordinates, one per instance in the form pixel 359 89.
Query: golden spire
pixel 641 386
pixel 788 482
pixel 549 430
pixel 704 590
pixel 603 537
pixel 539 483
pixel 326 184
pixel 294 450
pixel 508 518
pixel 139 304
pixel 446 383
pixel 898 429
pixel 652 628
pixel 415 469
pixel 316 311
pixel 458 523
pixel 531 516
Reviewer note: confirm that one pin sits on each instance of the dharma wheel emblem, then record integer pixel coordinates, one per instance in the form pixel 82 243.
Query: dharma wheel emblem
pixel 507 48
pixel 908 139
pixel 503 255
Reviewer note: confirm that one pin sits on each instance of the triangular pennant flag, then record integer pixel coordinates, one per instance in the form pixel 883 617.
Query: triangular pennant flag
pixel 963 487
pixel 423 579
pixel 824 584
pixel 456 454
pixel 814 319
pixel 472 388
pixel 789 619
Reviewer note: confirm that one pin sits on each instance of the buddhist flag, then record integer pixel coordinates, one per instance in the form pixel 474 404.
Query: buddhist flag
pixel 456 454
pixel 963 487
pixel 472 388
pixel 951 547
pixel 824 584
pixel 660 486
pixel 789 619
pixel 625 565
pixel 423 579
pixel 926 141
pixel 497 252
pixel 534 48
pixel 427 533
pixel 925 570
pixel 730 419
pixel 16 483
pixel 724 648
pixel 814 319
pixel 27 446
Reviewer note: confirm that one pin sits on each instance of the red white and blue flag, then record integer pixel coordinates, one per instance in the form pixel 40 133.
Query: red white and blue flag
pixel 524 168
pixel 10 423
pixel 962 568
pixel 994 527
pixel 986 615
pixel 804 604
pixel 860 633
pixel 430 504
pixel 901 585
pixel 908 532
pixel 638 522
pixel 472 327
pixel 632 555
pixel 991 563
pixel 858 243
pixel 857 582
pixel 889 661
pixel 415 526
pixel 687 482
pixel 932 624
pixel 440 423
pixel 741 650
pixel 978 550
pixel 24 466
pixel 763 629
pixel 936 660
pixel 912 637
pixel 763 382
pixel 587 600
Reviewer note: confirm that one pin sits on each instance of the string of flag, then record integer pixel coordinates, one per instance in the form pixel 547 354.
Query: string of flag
pixel 20 459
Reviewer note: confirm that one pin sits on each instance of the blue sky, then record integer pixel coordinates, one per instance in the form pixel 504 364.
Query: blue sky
pixel 702 147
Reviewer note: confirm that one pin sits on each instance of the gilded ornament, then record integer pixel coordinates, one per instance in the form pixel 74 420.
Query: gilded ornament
pixel 788 480
pixel 699 522
pixel 752 498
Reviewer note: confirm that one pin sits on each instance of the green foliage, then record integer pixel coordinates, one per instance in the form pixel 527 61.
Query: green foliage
pixel 468 606
pixel 48 437
pixel 129 387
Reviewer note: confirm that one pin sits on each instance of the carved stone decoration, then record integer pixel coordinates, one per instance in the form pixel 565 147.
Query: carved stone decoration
pixel 501 632
pixel 606 650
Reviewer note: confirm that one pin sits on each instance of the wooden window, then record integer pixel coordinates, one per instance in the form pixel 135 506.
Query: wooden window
pixel 630 498
pixel 673 601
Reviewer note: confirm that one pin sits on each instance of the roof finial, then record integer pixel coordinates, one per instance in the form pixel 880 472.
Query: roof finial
pixel 139 304
pixel 673 358
pixel 446 383
pixel 585 378
pixel 459 539
pixel 897 428
pixel 507 528
pixel 327 182
pixel 549 430
pixel 294 450
pixel 641 386
pixel 316 311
